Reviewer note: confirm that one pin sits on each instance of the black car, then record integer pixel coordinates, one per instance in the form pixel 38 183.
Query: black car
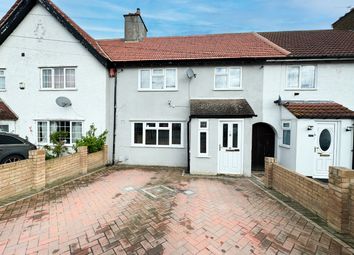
pixel 13 148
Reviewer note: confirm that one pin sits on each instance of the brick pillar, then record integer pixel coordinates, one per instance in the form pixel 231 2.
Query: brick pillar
pixel 83 159
pixel 268 171
pixel 105 155
pixel 38 169
pixel 338 211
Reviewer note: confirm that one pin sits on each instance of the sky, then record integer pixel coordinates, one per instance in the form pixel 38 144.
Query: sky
pixel 104 18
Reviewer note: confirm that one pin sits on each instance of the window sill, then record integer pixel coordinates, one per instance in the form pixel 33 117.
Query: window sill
pixel 156 146
pixel 228 89
pixel 2 90
pixel 157 90
pixel 203 156
pixel 284 146
pixel 58 89
pixel 299 89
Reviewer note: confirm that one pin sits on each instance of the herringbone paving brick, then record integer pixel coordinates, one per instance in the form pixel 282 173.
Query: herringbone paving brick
pixel 109 213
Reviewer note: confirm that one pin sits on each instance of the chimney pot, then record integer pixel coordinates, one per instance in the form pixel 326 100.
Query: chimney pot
pixel 137 11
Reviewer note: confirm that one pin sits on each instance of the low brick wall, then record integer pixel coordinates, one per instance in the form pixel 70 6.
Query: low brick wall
pixel 35 173
pixel 64 167
pixel 15 178
pixel 94 160
pixel 309 193
pixel 333 202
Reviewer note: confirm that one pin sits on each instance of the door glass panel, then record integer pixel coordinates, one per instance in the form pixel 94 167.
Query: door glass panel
pixel 225 133
pixel 325 140
pixel 235 135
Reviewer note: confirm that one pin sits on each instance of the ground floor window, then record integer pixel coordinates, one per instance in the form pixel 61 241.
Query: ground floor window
pixel 286 126
pixel 72 128
pixel 4 128
pixel 159 134
pixel 203 127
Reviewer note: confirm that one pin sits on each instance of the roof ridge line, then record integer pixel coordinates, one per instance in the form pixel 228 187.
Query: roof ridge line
pixel 271 44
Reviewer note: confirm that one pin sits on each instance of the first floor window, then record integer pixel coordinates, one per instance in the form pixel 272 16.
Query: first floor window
pixel 73 129
pixel 59 78
pixel 2 79
pixel 301 77
pixel 203 137
pixel 227 78
pixel 158 79
pixel 286 126
pixel 162 134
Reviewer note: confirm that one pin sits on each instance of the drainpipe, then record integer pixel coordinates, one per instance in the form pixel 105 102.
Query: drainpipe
pixel 188 145
pixel 353 148
pixel 114 118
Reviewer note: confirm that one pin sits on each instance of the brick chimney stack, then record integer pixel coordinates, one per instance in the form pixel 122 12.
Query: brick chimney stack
pixel 134 29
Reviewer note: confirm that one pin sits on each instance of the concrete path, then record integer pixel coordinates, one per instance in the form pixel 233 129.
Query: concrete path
pixel 158 212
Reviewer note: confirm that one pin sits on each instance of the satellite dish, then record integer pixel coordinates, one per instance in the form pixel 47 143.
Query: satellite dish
pixel 63 102
pixel 190 73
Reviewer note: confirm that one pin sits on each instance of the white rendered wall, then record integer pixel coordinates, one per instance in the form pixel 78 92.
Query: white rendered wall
pixel 134 105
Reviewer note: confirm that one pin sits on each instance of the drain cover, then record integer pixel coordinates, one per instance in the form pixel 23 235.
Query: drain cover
pixel 158 191
pixel 128 189
pixel 188 192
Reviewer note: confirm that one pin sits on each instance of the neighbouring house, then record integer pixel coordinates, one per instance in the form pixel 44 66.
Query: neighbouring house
pixel 53 75
pixel 216 104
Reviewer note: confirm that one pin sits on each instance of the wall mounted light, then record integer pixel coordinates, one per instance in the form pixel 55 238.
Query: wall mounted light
pixel 349 128
pixel 22 85
pixel 309 128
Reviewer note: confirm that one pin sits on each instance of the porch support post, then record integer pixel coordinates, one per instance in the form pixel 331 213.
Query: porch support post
pixel 338 216
pixel 268 171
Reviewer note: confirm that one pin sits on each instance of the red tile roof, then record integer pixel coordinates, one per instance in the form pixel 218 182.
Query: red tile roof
pixel 9 12
pixel 318 110
pixel 6 113
pixel 219 46
pixel 315 43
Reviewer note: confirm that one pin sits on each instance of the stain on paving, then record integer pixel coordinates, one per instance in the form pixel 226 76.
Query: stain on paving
pixel 97 214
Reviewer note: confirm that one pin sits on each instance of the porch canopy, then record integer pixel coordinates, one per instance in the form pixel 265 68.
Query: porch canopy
pixel 221 108
pixel 6 113
pixel 318 110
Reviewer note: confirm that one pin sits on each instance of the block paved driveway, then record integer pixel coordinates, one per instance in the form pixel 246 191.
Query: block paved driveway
pixel 110 213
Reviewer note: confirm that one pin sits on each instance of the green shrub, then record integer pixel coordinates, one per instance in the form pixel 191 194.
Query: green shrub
pixel 94 143
pixel 58 148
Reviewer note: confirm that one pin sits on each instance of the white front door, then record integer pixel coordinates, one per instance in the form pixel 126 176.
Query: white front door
pixel 230 147
pixel 325 148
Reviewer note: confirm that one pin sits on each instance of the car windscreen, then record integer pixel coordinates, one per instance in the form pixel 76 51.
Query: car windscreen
pixel 4 139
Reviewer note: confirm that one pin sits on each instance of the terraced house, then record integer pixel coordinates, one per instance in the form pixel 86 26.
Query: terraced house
pixel 215 104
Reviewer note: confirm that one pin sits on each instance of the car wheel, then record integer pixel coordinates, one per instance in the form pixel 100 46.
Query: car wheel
pixel 11 159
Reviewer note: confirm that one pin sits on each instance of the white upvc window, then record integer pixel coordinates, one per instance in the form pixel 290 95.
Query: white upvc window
pixel 46 128
pixel 157 134
pixel 4 128
pixel 58 78
pixel 228 78
pixel 2 80
pixel 203 138
pixel 301 77
pixel 286 127
pixel 158 79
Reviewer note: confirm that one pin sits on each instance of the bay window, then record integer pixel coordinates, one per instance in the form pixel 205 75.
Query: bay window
pixel 157 134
